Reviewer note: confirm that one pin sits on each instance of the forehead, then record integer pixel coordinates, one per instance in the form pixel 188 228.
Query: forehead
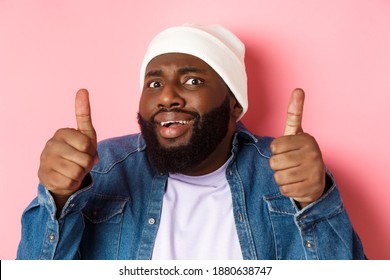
pixel 178 60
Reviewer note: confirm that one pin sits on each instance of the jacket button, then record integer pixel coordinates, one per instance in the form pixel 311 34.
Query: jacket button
pixel 308 244
pixel 151 221
pixel 95 213
pixel 52 237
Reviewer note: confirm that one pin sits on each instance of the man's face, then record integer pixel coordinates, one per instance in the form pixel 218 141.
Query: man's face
pixel 184 111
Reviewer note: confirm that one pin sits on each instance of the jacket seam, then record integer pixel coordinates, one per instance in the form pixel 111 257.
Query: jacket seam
pixel 244 207
pixel 111 165
pixel 274 235
pixel 331 215
pixel 119 236
pixel 258 150
pixel 333 228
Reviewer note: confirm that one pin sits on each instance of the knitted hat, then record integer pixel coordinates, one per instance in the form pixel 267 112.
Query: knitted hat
pixel 214 44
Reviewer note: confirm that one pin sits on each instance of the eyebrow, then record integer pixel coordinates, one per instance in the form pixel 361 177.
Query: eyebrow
pixel 181 71
pixel 154 73
pixel 190 69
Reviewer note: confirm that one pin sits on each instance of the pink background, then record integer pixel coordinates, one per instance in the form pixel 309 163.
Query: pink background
pixel 338 51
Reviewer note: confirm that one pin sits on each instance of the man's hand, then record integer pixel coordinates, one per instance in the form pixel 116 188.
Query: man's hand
pixel 69 156
pixel 296 157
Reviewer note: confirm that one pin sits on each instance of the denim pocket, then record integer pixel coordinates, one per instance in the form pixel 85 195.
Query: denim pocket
pixel 103 227
pixel 286 233
pixel 104 208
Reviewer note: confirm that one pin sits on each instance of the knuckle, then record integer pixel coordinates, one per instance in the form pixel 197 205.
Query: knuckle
pixel 316 159
pixel 85 144
pixel 43 156
pixel 277 178
pixel 285 190
pixel 273 162
pixel 61 132
pixel 87 162
pixel 275 144
pixel 58 132
pixel 50 144
pixel 41 174
pixel 76 173
pixel 49 150
pixel 309 139
pixel 45 164
pixel 68 184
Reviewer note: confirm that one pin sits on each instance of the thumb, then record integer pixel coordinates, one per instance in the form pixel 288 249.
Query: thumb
pixel 83 114
pixel 295 112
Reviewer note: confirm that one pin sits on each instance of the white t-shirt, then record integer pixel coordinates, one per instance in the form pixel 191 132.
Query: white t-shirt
pixel 197 219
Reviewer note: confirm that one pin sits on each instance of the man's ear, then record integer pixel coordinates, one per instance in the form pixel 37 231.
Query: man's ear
pixel 235 107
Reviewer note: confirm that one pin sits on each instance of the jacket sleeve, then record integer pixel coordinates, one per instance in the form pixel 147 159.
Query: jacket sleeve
pixel 44 236
pixel 326 229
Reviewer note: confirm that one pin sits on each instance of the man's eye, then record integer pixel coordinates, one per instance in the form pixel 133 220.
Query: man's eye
pixel 154 84
pixel 193 81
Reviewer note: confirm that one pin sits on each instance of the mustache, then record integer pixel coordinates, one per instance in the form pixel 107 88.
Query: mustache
pixel 174 110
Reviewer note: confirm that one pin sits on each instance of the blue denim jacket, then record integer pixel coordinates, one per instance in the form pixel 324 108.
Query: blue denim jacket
pixel 117 216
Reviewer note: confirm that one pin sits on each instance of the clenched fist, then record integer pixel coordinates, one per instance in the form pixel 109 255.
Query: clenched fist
pixel 296 157
pixel 69 156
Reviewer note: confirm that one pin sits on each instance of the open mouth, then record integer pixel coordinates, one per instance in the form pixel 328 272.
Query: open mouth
pixel 169 129
pixel 169 123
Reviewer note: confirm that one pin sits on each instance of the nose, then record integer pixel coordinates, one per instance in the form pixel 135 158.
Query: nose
pixel 170 97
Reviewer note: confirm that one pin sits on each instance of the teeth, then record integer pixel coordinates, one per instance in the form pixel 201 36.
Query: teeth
pixel 168 123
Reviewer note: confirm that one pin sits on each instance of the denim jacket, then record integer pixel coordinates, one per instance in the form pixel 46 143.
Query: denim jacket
pixel 117 215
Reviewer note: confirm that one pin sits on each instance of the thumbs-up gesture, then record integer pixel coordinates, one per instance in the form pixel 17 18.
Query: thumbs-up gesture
pixel 70 154
pixel 296 157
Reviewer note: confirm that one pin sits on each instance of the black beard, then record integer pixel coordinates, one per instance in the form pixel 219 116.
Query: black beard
pixel 207 133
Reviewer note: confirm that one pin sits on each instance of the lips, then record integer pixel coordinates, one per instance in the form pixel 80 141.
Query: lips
pixel 169 123
pixel 173 124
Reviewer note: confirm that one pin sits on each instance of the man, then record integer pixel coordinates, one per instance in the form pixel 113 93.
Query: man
pixel 195 184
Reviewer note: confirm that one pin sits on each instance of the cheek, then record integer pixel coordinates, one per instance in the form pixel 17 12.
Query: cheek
pixel 145 107
pixel 204 102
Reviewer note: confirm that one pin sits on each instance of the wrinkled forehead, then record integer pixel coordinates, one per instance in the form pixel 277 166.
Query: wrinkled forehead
pixel 183 61
pixel 180 64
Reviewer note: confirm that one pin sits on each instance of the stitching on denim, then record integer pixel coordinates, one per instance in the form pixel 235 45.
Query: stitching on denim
pixel 242 196
pixel 334 213
pixel 112 213
pixel 81 239
pixel 257 148
pixel 43 243
pixel 114 163
pixel 274 235
pixel 111 197
pixel 118 237
pixel 315 241
pixel 333 228
pixel 312 228
pixel 302 240
pixel 267 198
pixel 143 223
pixel 281 212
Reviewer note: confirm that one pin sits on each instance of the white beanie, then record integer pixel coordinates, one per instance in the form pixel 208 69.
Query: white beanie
pixel 214 44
